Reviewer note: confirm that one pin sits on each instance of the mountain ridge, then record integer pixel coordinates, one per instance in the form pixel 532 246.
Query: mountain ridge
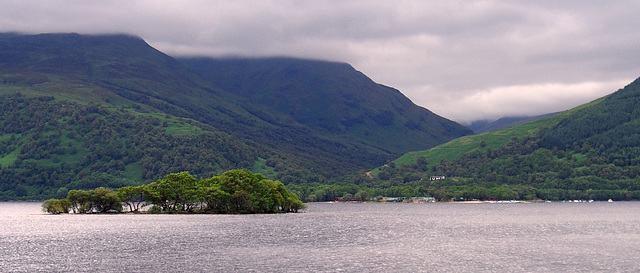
pixel 303 90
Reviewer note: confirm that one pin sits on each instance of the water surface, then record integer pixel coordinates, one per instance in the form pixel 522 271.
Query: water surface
pixel 548 237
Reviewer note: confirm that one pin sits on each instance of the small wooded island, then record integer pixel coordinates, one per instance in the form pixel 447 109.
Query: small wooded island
pixel 235 191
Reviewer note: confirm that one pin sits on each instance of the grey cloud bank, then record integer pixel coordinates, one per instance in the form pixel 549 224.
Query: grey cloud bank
pixel 464 60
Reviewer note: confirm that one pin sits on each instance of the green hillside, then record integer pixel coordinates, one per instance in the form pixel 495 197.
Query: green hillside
pixel 590 152
pixel 456 148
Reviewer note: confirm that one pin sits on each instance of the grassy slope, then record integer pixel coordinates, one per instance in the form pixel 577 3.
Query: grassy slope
pixel 260 167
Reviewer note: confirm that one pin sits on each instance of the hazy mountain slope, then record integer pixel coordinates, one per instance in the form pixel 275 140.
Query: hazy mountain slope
pixel 483 126
pixel 331 98
pixel 590 152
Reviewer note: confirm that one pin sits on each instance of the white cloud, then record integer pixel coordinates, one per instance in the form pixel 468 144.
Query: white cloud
pixel 529 56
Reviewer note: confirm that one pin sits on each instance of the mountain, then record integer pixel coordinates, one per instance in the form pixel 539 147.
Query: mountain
pixel 81 111
pixel 483 126
pixel 589 152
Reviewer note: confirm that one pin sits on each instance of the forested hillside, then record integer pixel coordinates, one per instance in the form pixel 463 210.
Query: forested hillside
pixel 591 152
pixel 48 147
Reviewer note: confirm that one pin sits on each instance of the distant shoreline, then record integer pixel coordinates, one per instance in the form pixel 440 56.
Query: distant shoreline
pixel 473 202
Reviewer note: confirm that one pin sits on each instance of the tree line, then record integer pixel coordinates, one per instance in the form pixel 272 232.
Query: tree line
pixel 235 191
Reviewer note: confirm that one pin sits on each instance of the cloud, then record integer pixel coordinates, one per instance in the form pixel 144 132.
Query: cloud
pixel 521 100
pixel 468 55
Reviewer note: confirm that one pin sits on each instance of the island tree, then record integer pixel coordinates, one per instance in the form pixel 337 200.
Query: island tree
pixel 235 191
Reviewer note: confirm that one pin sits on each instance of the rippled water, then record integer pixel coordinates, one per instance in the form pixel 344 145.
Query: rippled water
pixel 330 237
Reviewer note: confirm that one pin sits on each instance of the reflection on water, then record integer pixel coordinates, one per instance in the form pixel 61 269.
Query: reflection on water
pixel 328 238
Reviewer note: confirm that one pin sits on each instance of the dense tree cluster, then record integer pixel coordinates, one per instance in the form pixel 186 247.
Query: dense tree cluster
pixel 235 191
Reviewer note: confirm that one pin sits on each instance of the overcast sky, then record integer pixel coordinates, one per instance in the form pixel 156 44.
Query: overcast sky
pixel 464 60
